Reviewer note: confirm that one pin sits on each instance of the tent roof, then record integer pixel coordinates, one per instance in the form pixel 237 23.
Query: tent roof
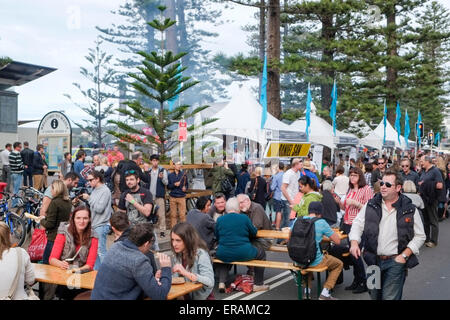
pixel 375 138
pixel 241 117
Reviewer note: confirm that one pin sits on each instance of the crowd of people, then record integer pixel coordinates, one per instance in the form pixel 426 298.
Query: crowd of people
pixel 364 199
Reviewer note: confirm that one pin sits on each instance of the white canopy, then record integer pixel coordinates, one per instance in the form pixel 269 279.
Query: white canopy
pixel 375 138
pixel 241 117
pixel 321 132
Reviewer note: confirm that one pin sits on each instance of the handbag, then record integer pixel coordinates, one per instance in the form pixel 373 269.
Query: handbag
pixel 37 245
pixel 252 194
pixel 226 186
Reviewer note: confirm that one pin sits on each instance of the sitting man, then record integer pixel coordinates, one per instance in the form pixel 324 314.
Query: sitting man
pixel 202 222
pixel 126 272
pixel 218 208
pixel 322 228
pixel 120 226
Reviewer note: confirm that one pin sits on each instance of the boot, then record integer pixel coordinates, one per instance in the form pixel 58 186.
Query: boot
pixel 362 287
pixel 353 286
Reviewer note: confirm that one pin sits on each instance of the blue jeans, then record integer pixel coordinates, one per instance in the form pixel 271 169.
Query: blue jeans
pixel 16 179
pixel 393 276
pixel 286 212
pixel 102 233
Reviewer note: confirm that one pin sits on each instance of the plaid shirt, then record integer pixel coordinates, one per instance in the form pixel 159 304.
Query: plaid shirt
pixel 362 195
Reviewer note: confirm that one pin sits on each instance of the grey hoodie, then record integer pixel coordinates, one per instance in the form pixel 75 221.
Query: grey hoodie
pixel 100 203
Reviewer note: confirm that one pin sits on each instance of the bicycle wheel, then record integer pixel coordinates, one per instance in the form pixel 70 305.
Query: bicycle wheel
pixel 18 229
pixel 21 213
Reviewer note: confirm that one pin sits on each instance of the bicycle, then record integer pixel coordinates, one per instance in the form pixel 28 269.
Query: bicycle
pixel 32 202
pixel 14 222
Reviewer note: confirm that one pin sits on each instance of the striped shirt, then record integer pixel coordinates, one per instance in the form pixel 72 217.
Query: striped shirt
pixel 362 195
pixel 15 162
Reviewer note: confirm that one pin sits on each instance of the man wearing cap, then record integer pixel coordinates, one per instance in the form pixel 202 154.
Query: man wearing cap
pixel 334 265
pixel 158 183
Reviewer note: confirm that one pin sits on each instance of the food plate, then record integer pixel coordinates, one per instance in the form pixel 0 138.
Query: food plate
pixel 178 280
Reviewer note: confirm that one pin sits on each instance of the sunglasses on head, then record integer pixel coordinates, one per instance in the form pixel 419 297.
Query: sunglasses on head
pixel 388 184
pixel 130 171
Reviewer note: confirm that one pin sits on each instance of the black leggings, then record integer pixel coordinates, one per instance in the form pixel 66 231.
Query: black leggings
pixel 359 272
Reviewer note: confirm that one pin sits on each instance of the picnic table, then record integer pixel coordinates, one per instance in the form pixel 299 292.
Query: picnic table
pixel 54 275
pixel 275 234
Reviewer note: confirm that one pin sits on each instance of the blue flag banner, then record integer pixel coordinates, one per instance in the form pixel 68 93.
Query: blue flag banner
pixel 437 139
pixel 334 106
pixel 407 128
pixel 384 121
pixel 398 116
pixel 419 120
pixel 308 111
pixel 172 100
pixel 263 97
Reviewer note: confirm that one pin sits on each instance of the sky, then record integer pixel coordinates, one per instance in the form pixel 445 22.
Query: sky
pixel 58 34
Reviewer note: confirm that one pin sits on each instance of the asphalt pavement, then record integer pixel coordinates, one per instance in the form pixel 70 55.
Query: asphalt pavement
pixel 430 280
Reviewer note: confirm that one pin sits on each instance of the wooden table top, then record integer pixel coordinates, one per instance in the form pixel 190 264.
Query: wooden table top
pixel 274 234
pixel 51 274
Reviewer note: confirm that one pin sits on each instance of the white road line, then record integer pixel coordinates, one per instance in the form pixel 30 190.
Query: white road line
pixel 272 286
pixel 281 275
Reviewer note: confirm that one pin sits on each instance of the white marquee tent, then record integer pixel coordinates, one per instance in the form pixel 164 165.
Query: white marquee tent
pixel 321 132
pixel 241 117
pixel 375 138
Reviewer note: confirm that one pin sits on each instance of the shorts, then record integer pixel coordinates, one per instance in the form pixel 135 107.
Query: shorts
pixel 278 205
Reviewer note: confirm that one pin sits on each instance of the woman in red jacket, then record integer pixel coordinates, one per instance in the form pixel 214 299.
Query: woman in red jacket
pixel 75 247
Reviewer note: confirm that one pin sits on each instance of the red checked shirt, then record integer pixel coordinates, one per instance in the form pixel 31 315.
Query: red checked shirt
pixel 362 195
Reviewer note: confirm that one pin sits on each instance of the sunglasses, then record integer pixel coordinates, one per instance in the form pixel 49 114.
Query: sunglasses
pixel 380 163
pixel 90 180
pixel 405 166
pixel 388 185
pixel 130 171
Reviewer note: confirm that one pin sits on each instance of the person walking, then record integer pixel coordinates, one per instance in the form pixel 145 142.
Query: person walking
pixel 358 195
pixel 27 159
pixel 221 173
pixel 242 178
pixel 430 183
pixel 407 173
pixel 6 171
pixel 377 174
pixel 66 165
pixel 178 185
pixel 16 166
pixel 289 189
pixel 39 166
pixel 275 186
pixel 393 233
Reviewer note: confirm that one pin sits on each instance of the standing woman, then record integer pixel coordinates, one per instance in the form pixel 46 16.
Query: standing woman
pixel 358 195
pixel 101 210
pixel 75 240
pixel 192 259
pixel 58 211
pixel 259 185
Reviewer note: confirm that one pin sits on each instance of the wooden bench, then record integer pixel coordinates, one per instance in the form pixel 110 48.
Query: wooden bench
pixel 296 271
pixel 51 274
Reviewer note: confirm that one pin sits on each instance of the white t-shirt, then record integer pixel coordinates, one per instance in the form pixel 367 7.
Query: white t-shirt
pixel 291 178
pixel 8 269
pixel 341 185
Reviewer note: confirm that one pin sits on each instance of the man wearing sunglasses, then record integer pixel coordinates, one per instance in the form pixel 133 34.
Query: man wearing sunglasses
pixel 393 233
pixel 408 174
pixel 377 174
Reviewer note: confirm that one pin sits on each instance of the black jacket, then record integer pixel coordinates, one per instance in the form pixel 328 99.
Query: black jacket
pixel 38 163
pixel 330 208
pixel 27 157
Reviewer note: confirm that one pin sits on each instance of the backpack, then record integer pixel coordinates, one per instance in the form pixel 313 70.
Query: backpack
pixel 302 245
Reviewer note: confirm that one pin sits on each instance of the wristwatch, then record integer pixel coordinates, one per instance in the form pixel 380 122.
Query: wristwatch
pixel 405 257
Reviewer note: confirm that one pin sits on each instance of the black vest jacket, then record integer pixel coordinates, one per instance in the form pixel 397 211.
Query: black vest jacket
pixel 405 228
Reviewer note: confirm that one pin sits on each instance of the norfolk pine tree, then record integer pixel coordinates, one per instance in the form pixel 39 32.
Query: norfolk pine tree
pixel 158 80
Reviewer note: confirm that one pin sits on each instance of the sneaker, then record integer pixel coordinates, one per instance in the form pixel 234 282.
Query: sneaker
pixel 322 297
pixel 430 244
pixel 263 287
pixel 353 286
pixel 222 287
pixel 362 287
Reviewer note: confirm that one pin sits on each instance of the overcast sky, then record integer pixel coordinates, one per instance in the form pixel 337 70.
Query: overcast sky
pixel 58 34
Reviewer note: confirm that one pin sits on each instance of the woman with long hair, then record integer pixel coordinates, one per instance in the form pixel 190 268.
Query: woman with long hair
pixel 75 247
pixel 9 266
pixel 310 192
pixel 58 211
pixel 359 193
pixel 192 260
pixel 258 187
